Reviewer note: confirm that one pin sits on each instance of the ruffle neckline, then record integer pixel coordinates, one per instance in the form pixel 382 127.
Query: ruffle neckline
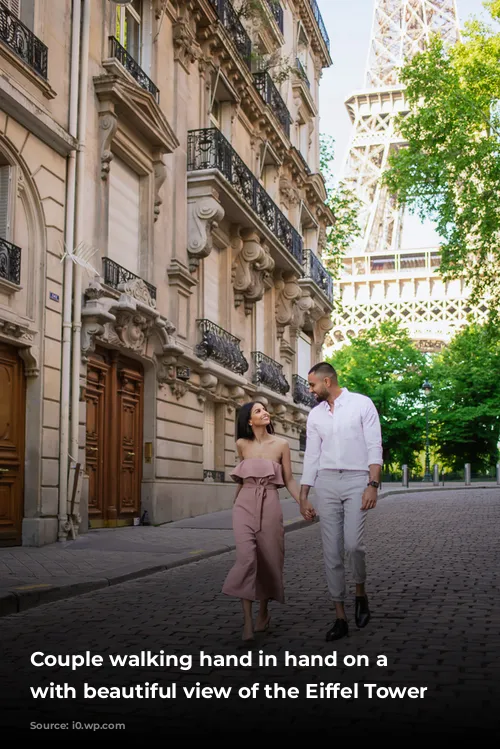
pixel 259 468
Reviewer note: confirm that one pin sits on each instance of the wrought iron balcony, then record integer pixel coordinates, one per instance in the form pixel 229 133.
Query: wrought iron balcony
pixel 209 149
pixel 277 11
pixel 270 94
pixel 302 72
pixel 314 269
pixel 115 274
pixel 269 373
pixel 320 22
pixel 219 345
pixel 301 392
pixel 128 62
pixel 10 261
pixel 23 42
pixel 229 19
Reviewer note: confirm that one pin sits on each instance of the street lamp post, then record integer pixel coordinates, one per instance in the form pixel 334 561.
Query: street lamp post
pixel 427 387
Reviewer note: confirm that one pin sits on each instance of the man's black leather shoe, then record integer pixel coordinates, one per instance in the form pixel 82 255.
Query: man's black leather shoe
pixel 362 611
pixel 339 629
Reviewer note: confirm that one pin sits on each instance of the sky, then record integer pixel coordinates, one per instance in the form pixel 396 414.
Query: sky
pixel 348 23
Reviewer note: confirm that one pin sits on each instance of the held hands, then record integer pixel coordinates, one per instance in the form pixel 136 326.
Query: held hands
pixel 369 498
pixel 307 510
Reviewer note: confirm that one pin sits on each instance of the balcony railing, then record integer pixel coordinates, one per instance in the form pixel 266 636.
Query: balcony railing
pixel 269 373
pixel 229 19
pixel 277 11
pixel 115 274
pixel 270 94
pixel 209 149
pixel 302 72
pixel 23 42
pixel 314 269
pixel 320 22
pixel 128 62
pixel 219 345
pixel 301 392
pixel 10 261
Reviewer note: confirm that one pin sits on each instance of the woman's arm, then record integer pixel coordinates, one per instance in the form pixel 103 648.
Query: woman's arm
pixel 240 455
pixel 290 483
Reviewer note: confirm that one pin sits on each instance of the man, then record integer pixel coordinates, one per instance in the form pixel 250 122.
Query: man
pixel 343 461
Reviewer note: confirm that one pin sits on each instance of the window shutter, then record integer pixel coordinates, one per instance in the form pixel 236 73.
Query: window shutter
pixel 304 357
pixel 124 216
pixel 209 437
pixel 211 285
pixel 14 6
pixel 4 201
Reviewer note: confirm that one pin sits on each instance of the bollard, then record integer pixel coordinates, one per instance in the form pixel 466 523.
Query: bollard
pixel 436 476
pixel 467 474
pixel 405 475
pixel 498 473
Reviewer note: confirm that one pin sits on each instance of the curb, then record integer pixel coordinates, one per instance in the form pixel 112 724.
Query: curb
pixel 432 488
pixel 15 601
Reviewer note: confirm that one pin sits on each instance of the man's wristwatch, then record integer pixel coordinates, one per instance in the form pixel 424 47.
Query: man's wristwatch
pixel 373 483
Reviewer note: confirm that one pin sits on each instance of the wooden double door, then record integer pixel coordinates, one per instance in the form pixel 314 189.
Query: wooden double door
pixel 12 436
pixel 114 434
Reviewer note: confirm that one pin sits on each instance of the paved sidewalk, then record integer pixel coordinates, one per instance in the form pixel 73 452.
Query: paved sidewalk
pixel 30 576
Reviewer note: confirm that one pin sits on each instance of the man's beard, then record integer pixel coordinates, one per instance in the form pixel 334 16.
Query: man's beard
pixel 320 397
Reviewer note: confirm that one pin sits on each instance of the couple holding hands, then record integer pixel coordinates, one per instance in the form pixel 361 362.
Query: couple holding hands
pixel 343 462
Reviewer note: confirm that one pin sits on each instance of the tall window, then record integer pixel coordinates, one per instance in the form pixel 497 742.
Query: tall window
pixel 124 216
pixel 22 9
pixel 5 195
pixel 128 28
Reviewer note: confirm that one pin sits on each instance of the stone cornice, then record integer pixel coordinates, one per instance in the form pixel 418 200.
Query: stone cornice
pixel 122 96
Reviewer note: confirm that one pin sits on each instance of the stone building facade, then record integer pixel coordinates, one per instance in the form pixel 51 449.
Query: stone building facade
pixel 162 216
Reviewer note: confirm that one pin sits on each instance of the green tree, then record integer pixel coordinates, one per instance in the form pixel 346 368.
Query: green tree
pixel 383 364
pixel 466 399
pixel 449 171
pixel 344 206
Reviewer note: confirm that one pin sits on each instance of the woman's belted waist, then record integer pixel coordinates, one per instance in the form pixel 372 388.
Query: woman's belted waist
pixel 260 493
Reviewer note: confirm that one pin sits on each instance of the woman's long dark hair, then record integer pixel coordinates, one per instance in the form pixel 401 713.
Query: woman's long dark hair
pixel 243 429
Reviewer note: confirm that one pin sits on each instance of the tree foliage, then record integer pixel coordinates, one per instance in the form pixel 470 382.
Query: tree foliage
pixel 383 364
pixel 450 169
pixel 466 399
pixel 344 206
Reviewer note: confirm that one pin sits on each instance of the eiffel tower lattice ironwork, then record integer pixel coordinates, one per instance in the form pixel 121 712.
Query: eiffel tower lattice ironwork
pixel 381 278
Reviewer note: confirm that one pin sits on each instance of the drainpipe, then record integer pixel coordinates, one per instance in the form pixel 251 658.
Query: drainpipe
pixel 80 195
pixel 68 274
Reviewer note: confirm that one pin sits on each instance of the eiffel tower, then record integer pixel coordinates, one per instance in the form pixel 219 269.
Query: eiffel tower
pixel 390 271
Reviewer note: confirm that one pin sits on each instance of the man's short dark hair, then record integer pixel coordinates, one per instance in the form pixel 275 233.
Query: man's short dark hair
pixel 323 369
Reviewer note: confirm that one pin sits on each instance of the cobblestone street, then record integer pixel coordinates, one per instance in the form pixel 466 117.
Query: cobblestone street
pixel 433 561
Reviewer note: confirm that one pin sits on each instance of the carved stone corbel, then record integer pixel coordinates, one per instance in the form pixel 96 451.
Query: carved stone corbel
pixel 186 48
pixel 95 315
pixel 204 215
pixel 108 123
pixel 322 326
pixel 288 192
pixel 301 311
pixel 251 269
pixel 287 293
pixel 160 172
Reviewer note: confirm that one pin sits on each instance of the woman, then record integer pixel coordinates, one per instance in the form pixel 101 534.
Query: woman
pixel 265 467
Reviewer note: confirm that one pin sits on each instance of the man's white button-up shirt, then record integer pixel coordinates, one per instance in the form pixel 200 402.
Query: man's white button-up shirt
pixel 348 439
